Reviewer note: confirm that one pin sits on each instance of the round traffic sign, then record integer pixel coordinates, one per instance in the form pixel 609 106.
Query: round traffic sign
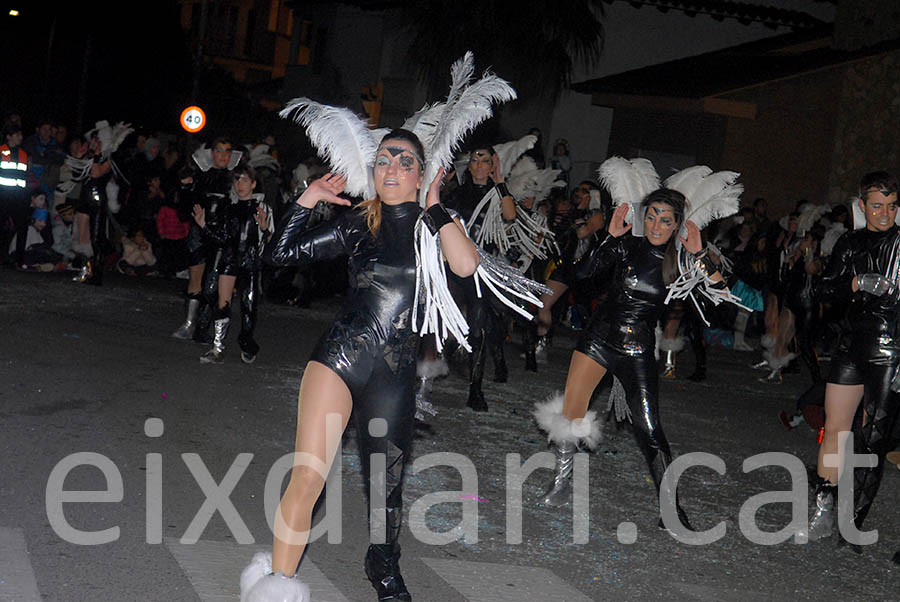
pixel 193 119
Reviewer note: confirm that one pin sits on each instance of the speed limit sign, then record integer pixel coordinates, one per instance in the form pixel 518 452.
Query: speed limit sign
pixel 193 119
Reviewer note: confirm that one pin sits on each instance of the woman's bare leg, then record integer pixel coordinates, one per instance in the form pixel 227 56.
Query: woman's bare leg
pixel 226 289
pixel 545 315
pixel 322 392
pixel 771 316
pixel 841 402
pixel 195 279
pixel 785 332
pixel 584 376
pixel 83 224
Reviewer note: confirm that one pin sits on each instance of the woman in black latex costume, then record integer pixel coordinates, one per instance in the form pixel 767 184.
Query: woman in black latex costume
pixel 92 214
pixel 866 366
pixel 621 338
pixel 366 361
pixel 487 331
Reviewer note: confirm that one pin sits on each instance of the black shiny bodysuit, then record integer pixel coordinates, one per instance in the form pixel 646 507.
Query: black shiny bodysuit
pixel 622 338
pixel 871 357
pixel 371 345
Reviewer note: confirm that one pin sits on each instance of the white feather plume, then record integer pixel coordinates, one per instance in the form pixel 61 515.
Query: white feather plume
pixel 687 180
pixel 809 216
pixel 628 181
pixel 424 122
pixel 510 152
pixel 711 196
pixel 831 237
pixel 111 137
pixel 342 138
pixel 466 107
pixel 526 180
pixel 859 216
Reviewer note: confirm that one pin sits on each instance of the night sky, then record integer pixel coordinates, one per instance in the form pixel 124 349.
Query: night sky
pixel 139 65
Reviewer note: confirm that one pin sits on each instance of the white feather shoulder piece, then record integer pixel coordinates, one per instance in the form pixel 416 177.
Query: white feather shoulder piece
pixel 342 138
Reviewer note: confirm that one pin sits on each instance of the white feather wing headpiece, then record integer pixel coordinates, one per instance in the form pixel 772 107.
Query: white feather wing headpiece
pixel 629 181
pixel 510 152
pixel 467 106
pixel 809 216
pixel 342 138
pixel 710 195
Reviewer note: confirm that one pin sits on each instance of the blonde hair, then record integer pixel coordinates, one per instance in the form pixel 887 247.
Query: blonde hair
pixel 371 209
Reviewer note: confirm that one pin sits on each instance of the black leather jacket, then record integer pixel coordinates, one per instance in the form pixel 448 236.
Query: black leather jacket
pixel 861 252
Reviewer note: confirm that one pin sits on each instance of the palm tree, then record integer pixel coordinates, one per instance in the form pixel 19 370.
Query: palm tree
pixel 536 45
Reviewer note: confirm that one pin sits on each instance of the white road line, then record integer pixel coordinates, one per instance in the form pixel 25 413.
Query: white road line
pixel 17 582
pixel 489 582
pixel 214 569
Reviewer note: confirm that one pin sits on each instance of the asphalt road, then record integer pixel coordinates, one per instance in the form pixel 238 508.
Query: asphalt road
pixel 94 390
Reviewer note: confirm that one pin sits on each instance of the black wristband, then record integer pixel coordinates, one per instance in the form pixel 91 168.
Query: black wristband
pixel 502 189
pixel 706 263
pixel 436 217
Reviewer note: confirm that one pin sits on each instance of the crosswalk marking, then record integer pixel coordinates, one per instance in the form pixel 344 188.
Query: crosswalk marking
pixel 489 582
pixel 214 569
pixel 17 582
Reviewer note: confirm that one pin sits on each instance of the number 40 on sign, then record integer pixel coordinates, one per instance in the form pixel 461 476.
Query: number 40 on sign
pixel 193 119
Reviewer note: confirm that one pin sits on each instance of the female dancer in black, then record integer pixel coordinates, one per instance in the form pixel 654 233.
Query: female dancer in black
pixel 366 361
pixel 621 337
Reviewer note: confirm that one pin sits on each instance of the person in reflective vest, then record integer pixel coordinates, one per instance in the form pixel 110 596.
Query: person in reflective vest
pixel 14 208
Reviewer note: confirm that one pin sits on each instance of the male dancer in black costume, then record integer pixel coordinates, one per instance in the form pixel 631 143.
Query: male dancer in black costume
pixel 862 266
pixel 486 327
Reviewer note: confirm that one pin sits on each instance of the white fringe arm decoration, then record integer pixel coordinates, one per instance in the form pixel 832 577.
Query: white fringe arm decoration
pixel 629 181
pixel 342 138
pixel 711 196
pixel 467 105
pixel 440 314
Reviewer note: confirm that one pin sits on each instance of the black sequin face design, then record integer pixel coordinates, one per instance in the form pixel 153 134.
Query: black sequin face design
pixel 405 158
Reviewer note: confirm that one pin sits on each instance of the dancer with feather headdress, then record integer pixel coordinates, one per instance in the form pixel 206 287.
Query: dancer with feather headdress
pixel 98 173
pixel 366 361
pixel 666 261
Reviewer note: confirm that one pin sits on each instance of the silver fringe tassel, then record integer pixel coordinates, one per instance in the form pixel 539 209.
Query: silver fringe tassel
pixel 618 402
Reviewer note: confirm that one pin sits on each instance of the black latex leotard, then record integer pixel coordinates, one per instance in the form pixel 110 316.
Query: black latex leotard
pixel 371 345
pixel 871 357
pixel 621 336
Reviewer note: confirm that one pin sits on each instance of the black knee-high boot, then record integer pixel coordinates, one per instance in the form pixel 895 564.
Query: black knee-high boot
pixel 476 372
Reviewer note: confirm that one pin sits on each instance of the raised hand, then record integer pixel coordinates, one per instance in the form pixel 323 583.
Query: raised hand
pixel 693 243
pixel 199 215
pixel 617 226
pixel 327 188
pixel 496 173
pixel 434 190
